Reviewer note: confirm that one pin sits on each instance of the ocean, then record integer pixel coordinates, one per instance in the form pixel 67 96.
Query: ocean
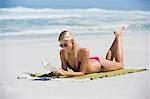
pixel 21 22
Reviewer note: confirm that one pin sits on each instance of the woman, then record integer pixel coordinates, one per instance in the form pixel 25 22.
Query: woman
pixel 78 59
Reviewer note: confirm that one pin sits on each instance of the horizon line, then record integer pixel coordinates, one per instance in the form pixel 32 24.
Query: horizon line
pixel 76 8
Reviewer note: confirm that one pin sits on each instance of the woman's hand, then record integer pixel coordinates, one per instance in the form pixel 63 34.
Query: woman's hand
pixel 62 72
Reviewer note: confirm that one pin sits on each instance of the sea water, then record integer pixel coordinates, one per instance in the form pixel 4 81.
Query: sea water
pixel 45 22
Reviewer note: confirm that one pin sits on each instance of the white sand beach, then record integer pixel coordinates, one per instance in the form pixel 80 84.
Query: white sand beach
pixel 18 56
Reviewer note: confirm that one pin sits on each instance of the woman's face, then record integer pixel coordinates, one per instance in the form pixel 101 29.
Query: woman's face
pixel 66 44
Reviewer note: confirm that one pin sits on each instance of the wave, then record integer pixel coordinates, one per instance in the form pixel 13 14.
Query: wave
pixel 32 13
pixel 24 9
pixel 30 21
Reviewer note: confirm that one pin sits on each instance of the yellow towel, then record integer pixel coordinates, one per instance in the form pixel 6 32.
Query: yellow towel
pixel 92 75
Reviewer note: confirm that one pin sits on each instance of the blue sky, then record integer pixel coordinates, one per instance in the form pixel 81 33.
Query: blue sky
pixel 105 4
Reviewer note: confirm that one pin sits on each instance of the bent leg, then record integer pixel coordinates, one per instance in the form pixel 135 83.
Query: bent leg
pixel 115 52
pixel 119 50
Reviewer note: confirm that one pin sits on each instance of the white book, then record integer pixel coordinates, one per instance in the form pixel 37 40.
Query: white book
pixel 49 66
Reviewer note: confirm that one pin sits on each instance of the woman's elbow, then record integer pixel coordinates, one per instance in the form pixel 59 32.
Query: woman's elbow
pixel 82 73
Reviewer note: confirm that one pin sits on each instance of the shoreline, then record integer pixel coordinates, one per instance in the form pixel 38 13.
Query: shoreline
pixel 55 35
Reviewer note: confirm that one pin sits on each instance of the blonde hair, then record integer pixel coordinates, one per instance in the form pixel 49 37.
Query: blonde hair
pixel 68 34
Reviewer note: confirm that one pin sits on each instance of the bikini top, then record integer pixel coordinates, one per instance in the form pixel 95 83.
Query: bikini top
pixel 75 68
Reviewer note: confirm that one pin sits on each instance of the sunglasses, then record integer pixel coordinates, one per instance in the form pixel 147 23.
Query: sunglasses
pixel 63 45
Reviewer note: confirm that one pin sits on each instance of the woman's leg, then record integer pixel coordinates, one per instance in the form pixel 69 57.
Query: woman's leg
pixel 115 52
pixel 110 54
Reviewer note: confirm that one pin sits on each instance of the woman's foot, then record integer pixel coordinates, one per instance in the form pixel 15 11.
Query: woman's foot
pixel 118 31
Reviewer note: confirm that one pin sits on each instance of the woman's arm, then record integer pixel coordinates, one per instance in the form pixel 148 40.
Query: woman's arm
pixel 69 73
pixel 84 63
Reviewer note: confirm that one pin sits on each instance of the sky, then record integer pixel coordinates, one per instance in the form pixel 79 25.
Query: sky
pixel 104 4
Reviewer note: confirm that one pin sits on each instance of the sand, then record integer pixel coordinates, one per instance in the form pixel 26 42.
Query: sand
pixel 23 55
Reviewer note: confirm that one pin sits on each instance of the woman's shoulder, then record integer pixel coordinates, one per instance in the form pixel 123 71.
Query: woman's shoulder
pixel 84 50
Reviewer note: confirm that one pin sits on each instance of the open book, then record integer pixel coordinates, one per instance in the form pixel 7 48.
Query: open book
pixel 50 67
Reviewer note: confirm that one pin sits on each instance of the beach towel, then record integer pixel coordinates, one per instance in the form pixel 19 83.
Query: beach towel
pixel 92 76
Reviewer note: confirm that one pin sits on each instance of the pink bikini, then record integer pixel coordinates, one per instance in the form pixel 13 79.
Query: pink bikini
pixel 76 69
